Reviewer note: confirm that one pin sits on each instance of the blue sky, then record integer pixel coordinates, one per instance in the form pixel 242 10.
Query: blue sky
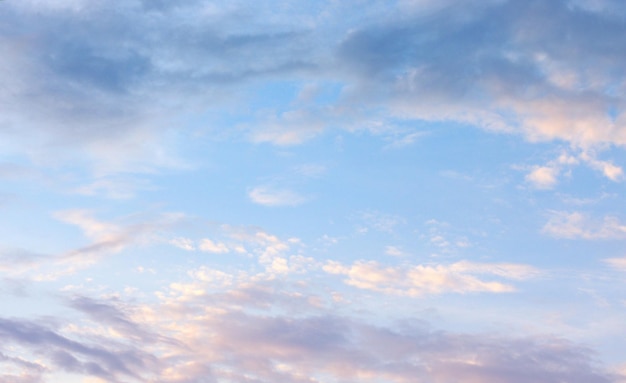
pixel 278 191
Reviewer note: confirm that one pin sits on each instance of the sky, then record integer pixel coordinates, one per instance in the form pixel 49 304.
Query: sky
pixel 312 192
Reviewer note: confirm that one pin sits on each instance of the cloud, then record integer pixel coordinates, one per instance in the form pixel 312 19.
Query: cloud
pixel 421 280
pixel 394 251
pixel 216 326
pixel 547 176
pixel 109 91
pixel 183 243
pixel 543 177
pixel 269 196
pixel 73 356
pixel 111 238
pixel 114 187
pixel 379 221
pixel 105 239
pixel 212 338
pixel 576 225
pixel 608 169
pixel 616 263
pixel 211 247
pixel 519 72
pixel 290 128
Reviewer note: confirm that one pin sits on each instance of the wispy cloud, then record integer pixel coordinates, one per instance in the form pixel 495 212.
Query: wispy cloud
pixel 573 225
pixel 617 263
pixel 106 238
pixel 270 196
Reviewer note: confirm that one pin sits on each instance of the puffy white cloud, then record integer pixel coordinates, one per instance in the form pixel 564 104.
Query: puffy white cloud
pixel 543 177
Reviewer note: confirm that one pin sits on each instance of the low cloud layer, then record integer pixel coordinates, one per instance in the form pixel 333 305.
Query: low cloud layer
pixel 206 338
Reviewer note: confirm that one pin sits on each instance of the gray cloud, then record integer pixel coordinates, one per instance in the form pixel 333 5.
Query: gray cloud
pixel 547 70
pixel 99 76
pixel 105 76
pixel 348 350
pixel 209 338
pixel 71 355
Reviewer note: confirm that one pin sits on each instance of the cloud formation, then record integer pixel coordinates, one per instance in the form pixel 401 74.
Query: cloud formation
pixel 576 225
pixel 519 72
pixel 210 338
pixel 421 280
pixel 119 81
pixel 111 108
pixel 269 196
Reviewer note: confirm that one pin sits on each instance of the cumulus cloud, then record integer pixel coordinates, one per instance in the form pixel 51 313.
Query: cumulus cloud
pixel 460 277
pixel 577 225
pixel 543 177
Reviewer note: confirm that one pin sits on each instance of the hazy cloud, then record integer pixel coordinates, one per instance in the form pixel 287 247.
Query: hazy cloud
pixel 270 196
pixel 576 225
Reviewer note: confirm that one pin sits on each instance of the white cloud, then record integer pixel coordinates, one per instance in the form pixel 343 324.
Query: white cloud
pixel 574 225
pixel 105 239
pixel 420 280
pixel 547 176
pixel 183 243
pixel 543 177
pixel 209 246
pixel 617 263
pixel 269 196
pixel 608 169
pixel 394 251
